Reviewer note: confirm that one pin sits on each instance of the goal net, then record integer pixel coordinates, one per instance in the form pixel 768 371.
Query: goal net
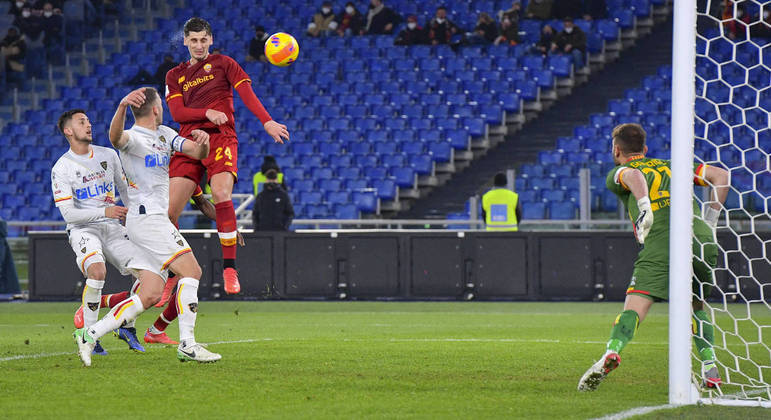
pixel 731 130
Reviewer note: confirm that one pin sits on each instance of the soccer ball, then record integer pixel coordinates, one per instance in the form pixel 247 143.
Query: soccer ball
pixel 281 49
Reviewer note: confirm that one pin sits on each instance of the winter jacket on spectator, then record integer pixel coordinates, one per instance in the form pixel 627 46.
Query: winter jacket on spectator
pixel 575 38
pixel 539 9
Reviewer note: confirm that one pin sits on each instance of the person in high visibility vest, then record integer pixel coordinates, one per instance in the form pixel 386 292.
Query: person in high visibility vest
pixel 259 179
pixel 501 207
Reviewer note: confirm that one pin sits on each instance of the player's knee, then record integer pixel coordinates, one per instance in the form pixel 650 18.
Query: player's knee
pixel 97 271
pixel 220 194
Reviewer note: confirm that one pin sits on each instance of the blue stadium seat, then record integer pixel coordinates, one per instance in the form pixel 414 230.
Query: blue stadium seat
pixel 440 151
pixel 346 211
pixel 565 210
pixel 404 177
pixel 365 201
pixel 533 211
pixel 330 184
pixel 338 197
pixel 302 185
pixel 375 172
pixel 349 172
pixel 386 189
pixel 395 159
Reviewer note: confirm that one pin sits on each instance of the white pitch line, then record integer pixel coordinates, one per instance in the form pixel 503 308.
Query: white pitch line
pixel 637 411
pixel 393 340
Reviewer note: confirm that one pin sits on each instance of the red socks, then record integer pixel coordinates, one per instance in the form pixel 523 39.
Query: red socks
pixel 226 227
pixel 109 301
pixel 168 315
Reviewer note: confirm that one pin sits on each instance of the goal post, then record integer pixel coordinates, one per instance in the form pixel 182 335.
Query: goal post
pixel 721 99
pixel 681 193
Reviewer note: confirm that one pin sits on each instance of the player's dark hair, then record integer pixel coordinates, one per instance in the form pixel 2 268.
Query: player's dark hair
pixel 271 174
pixel 500 180
pixel 67 117
pixel 151 95
pixel 630 138
pixel 197 24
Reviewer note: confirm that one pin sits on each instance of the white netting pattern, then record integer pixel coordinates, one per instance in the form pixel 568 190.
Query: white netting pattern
pixel 733 100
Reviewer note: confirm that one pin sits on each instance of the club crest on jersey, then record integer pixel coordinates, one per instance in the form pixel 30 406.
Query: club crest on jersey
pixel 179 243
pixel 162 139
pixel 104 164
pixel 207 67
pixel 83 250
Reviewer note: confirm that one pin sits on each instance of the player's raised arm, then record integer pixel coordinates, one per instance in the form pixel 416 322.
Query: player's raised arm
pixel 718 179
pixel 197 147
pixel 118 137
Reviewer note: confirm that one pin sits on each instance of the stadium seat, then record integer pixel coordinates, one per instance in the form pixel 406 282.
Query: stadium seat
pixel 365 201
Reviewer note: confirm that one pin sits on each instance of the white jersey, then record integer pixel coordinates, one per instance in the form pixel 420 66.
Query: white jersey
pixel 146 158
pixel 88 181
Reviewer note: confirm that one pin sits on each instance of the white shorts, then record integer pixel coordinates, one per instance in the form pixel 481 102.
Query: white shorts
pixel 107 241
pixel 158 238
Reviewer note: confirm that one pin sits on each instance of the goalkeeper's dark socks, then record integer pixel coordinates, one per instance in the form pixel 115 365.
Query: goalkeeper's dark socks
pixel 703 335
pixel 623 330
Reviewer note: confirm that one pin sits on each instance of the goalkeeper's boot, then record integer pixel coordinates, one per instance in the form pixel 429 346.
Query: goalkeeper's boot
pixel 711 376
pixel 129 335
pixel 99 350
pixel 161 338
pixel 78 318
pixel 592 378
pixel 196 353
pixel 85 345
pixel 168 289
pixel 230 276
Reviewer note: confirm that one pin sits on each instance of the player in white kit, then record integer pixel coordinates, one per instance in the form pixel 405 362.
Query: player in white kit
pixel 84 182
pixel 145 151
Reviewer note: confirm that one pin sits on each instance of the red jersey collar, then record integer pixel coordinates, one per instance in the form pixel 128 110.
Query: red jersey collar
pixel 635 157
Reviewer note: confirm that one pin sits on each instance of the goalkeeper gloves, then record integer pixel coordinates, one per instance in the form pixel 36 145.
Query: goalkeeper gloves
pixel 710 216
pixel 642 226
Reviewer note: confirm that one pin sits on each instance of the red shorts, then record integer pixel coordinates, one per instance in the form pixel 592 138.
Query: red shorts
pixel 223 157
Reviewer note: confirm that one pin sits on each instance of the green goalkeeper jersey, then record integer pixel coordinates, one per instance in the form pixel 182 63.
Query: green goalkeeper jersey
pixel 658 176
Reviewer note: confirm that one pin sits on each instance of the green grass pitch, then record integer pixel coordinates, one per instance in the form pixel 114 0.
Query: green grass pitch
pixel 344 360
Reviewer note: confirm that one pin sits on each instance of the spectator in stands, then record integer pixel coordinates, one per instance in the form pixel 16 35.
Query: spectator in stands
pixel 9 280
pixel 167 64
pixel 485 32
pixel 272 209
pixel 594 9
pixel 509 32
pixel 514 13
pixel 14 49
pixel 259 179
pixel 539 9
pixel 413 34
pixel 53 24
pixel 381 20
pixel 735 25
pixel 546 41
pixel 501 208
pixel 572 41
pixel 257 45
pixel 562 9
pixel 762 29
pixel 350 22
pixel 323 21
pixel 112 8
pixel 441 29
pixel 31 27
pixel 17 6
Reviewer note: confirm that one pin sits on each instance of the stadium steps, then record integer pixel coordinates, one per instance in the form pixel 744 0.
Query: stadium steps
pixel 540 133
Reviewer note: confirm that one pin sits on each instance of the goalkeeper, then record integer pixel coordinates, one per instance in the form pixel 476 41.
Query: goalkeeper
pixel 643 185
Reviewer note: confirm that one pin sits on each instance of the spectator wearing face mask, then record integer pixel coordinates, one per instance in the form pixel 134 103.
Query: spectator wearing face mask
pixel 413 34
pixel 441 29
pixel 53 23
pixel 257 45
pixel 546 41
pixel 17 6
pixel 31 27
pixel 323 21
pixel 350 21
pixel 571 41
pixel 381 20
pixel 539 9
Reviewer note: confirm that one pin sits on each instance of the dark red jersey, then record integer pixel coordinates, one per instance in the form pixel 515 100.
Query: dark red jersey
pixel 208 84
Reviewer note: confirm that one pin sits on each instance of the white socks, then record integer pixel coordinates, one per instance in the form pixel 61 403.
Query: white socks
pixel 132 292
pixel 92 295
pixel 187 306
pixel 122 313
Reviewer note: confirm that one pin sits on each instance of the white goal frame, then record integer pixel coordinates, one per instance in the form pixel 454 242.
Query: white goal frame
pixel 682 390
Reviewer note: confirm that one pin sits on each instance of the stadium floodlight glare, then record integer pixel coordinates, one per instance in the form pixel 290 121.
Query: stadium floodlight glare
pixel 720 118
